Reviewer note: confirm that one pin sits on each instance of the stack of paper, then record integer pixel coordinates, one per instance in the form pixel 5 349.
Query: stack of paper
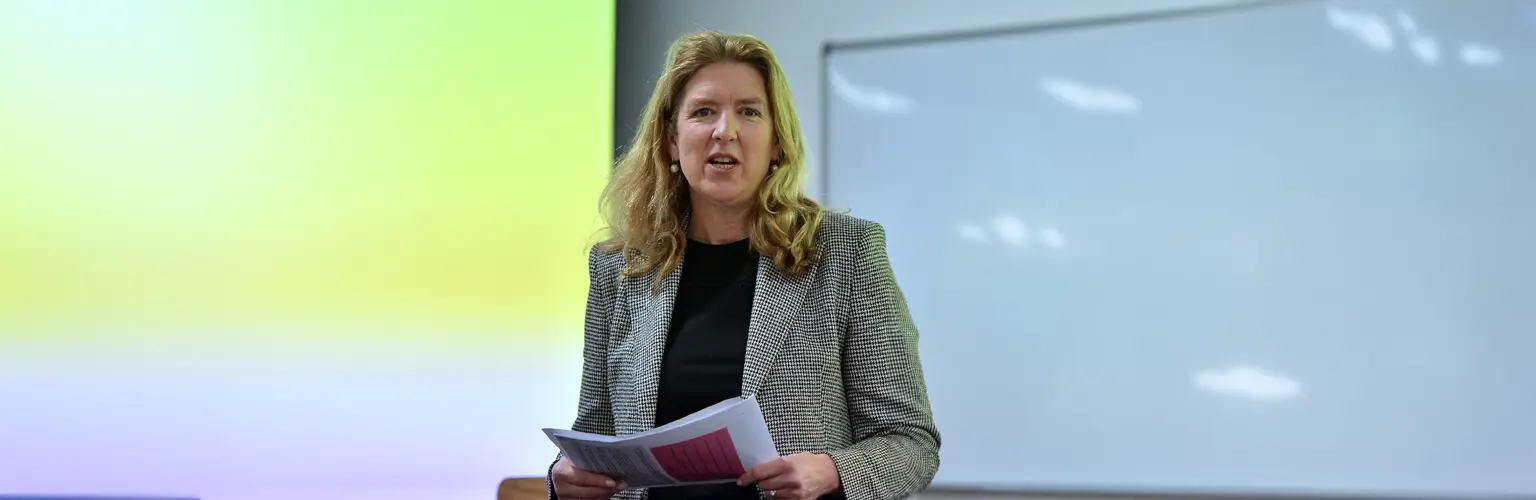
pixel 714 445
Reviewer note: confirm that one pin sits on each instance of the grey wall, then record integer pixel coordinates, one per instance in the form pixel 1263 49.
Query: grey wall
pixel 797 30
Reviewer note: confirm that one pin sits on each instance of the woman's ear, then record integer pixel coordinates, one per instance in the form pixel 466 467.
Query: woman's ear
pixel 672 141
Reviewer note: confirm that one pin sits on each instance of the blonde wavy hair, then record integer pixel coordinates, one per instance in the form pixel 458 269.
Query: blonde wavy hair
pixel 645 205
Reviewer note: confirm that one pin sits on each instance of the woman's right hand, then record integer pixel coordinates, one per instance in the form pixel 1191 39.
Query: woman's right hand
pixel 576 484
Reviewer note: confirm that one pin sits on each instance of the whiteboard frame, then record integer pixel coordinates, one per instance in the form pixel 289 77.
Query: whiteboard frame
pixel 1079 492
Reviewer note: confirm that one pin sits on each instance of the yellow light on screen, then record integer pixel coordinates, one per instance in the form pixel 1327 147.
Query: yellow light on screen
pixel 255 162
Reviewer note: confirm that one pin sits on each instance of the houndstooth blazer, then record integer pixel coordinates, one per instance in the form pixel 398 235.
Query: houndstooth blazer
pixel 831 355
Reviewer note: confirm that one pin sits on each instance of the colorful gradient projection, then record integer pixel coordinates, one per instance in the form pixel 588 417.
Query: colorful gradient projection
pixel 262 250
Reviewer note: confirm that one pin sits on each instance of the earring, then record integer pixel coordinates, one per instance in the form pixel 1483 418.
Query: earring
pixel 674 167
pixel 773 167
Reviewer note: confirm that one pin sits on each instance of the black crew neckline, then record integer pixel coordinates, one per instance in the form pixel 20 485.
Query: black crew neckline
pixel 740 242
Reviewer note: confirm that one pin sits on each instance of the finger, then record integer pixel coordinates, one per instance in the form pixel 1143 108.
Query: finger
pixel 588 478
pixel 577 491
pixel 780 483
pixel 765 470
pixel 788 494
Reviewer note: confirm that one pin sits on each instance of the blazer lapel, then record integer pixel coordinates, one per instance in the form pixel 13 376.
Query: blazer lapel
pixel 653 343
pixel 775 304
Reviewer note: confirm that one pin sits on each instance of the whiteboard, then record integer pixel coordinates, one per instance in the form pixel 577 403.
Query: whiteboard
pixel 1284 248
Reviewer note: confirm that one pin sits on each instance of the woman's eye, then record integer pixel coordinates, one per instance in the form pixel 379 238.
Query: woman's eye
pixel 753 112
pixel 701 112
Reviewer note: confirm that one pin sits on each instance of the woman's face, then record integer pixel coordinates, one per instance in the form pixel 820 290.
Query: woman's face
pixel 724 136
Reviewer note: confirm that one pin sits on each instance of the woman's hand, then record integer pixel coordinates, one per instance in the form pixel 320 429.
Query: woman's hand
pixel 576 484
pixel 795 477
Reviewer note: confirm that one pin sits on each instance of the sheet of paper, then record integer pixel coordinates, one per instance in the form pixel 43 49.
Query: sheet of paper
pixel 714 445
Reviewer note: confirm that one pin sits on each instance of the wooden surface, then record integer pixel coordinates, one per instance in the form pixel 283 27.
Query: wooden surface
pixel 522 488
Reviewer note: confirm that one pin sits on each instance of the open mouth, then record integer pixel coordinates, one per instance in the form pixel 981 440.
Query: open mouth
pixel 722 162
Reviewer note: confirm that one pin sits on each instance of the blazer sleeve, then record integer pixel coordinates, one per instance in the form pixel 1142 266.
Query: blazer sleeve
pixel 594 410
pixel 896 448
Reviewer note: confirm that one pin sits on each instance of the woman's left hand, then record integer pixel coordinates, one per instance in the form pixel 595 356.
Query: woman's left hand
pixel 795 477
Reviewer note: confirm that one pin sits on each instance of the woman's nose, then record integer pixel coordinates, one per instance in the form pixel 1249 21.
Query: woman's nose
pixel 725 129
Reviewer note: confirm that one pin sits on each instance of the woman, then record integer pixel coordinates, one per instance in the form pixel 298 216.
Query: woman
pixel 723 279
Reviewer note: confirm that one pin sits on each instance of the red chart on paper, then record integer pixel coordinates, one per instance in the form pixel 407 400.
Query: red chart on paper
pixel 705 458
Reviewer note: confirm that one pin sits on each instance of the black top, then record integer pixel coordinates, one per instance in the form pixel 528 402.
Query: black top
pixel 707 345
